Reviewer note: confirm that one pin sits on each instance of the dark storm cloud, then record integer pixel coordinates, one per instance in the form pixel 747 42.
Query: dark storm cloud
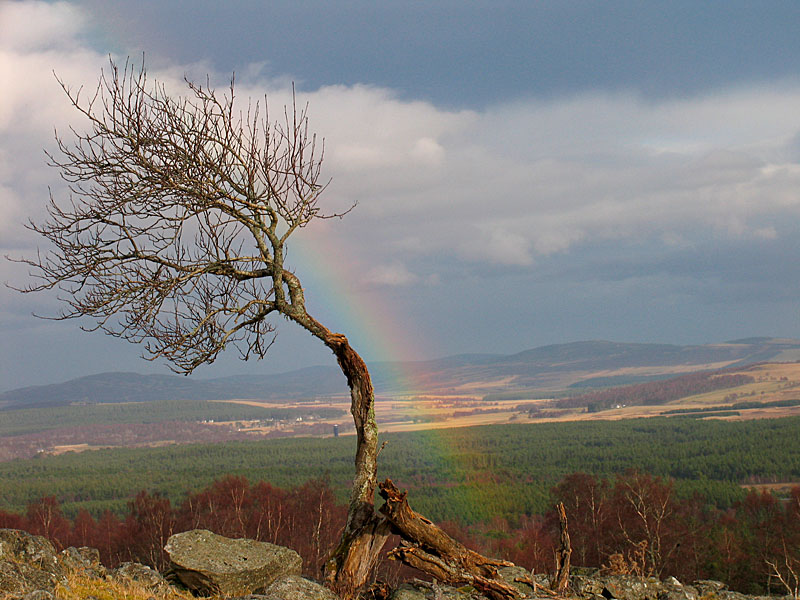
pixel 476 53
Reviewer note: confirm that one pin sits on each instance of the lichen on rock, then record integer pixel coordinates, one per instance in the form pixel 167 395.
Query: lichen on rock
pixel 207 563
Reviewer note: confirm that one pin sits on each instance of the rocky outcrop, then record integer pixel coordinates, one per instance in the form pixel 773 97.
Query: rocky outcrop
pixel 83 559
pixel 28 563
pixel 583 587
pixel 141 574
pixel 628 587
pixel 208 563
pixel 31 569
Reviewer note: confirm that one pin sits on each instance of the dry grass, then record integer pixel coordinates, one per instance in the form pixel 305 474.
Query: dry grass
pixel 80 586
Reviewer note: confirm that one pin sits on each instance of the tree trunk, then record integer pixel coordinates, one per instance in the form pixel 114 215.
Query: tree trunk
pixel 561 579
pixel 353 562
pixel 426 547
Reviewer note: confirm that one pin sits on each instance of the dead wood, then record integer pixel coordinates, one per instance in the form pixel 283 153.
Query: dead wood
pixel 561 579
pixel 529 580
pixel 353 563
pixel 426 547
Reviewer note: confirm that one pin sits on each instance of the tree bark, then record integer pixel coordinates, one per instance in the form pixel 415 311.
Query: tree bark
pixel 561 579
pixel 353 562
pixel 426 547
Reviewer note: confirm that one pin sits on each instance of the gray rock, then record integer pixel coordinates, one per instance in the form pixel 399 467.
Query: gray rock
pixel 511 575
pixel 709 586
pixel 142 574
pixel 28 563
pixel 208 563
pixel 406 591
pixel 436 591
pixel 82 559
pixel 672 589
pixel 630 588
pixel 586 586
pixel 295 587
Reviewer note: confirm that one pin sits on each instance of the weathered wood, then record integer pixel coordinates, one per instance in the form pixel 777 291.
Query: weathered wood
pixel 352 564
pixel 426 547
pixel 561 579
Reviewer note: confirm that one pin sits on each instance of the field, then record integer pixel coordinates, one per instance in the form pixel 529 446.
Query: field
pixel 774 383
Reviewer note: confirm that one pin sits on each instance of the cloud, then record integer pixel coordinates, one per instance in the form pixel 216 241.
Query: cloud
pixel 532 179
pixel 503 186
pixel 512 185
pixel 605 195
pixel 35 26
pixel 394 274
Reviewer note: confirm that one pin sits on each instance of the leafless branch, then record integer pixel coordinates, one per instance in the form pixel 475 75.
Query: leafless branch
pixel 179 209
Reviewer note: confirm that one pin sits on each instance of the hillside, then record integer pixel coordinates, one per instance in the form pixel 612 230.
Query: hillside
pixel 548 368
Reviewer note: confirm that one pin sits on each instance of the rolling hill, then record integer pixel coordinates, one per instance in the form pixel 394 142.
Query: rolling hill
pixel 547 368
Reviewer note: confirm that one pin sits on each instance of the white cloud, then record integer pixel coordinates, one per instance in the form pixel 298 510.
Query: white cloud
pixel 39 26
pixel 535 178
pixel 502 186
pixel 394 274
pixel 497 243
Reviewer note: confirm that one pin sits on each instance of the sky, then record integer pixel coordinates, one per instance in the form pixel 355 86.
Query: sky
pixel 524 173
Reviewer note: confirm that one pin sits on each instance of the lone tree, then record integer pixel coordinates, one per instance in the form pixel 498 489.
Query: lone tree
pixel 175 236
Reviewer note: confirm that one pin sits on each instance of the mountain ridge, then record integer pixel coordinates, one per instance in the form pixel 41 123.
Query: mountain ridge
pixel 554 366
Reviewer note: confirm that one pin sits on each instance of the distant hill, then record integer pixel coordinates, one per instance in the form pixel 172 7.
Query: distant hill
pixel 554 367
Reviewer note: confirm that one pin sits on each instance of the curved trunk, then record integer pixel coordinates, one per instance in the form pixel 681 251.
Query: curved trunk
pixel 353 562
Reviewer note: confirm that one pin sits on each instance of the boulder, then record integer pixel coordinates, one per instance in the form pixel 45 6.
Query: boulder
pixel 406 591
pixel 672 589
pixel 208 563
pixel 28 563
pixel 295 587
pixel 708 587
pixel 631 588
pixel 616 587
pixel 520 578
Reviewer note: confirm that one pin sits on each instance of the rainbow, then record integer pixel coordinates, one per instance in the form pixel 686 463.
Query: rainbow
pixel 331 271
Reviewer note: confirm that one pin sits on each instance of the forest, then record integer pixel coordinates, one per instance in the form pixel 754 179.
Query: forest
pixel 632 523
pixel 470 474
pixel 662 496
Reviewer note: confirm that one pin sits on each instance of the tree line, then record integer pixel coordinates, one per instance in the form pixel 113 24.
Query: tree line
pixel 633 523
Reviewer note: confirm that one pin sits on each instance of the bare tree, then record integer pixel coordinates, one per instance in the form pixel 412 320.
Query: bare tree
pixel 175 236
pixel 788 574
